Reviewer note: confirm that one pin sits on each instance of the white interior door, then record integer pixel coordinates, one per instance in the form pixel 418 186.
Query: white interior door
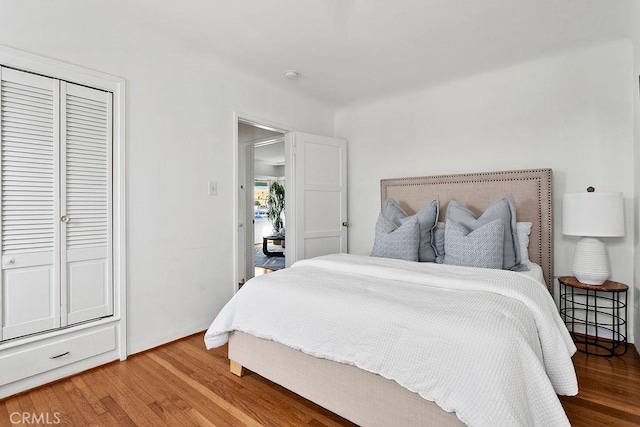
pixel 320 195
pixel 86 203
pixel 29 136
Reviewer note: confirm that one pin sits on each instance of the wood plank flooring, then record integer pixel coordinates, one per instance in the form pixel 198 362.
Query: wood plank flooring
pixel 608 391
pixel 182 384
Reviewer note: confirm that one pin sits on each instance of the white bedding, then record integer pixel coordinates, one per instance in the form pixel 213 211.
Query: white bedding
pixel 487 344
pixel 535 271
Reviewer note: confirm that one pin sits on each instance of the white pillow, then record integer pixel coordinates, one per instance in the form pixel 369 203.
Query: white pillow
pixel 524 229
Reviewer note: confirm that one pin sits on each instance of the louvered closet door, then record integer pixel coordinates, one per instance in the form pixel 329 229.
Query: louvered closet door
pixel 29 138
pixel 86 203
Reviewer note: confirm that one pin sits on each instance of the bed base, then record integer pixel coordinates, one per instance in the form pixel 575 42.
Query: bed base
pixel 361 397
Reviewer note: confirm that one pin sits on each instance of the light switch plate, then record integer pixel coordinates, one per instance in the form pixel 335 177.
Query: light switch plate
pixel 213 188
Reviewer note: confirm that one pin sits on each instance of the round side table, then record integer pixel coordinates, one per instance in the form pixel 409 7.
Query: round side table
pixel 596 315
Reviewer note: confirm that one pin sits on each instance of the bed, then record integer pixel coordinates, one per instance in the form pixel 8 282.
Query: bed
pixel 381 385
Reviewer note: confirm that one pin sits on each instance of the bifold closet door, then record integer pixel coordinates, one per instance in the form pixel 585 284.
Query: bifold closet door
pixel 29 138
pixel 55 168
pixel 86 203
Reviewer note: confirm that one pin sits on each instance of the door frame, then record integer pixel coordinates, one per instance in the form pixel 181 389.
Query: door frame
pixel 240 165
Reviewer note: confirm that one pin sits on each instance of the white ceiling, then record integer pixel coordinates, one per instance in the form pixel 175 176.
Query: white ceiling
pixel 272 154
pixel 266 152
pixel 346 51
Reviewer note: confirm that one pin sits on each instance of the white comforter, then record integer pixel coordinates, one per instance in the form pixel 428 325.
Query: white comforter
pixel 487 344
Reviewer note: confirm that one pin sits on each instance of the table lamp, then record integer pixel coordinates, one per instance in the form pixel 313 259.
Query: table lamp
pixel 592 215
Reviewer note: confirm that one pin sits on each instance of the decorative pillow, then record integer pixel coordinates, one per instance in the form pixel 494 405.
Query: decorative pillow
pixel 396 242
pixel 427 217
pixel 393 212
pixel 438 241
pixel 505 210
pixel 524 230
pixel 481 247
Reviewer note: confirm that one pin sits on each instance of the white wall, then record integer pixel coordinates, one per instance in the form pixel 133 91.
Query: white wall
pixel 262 169
pixel 571 112
pixel 179 136
pixel 180 238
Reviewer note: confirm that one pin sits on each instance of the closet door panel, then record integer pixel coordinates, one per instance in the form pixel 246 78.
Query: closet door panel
pixel 86 203
pixel 29 151
pixel 28 294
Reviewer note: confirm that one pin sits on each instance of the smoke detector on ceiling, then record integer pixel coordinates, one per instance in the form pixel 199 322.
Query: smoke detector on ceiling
pixel 291 75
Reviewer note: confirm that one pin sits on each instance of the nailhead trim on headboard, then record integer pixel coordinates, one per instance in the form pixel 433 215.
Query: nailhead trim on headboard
pixel 543 179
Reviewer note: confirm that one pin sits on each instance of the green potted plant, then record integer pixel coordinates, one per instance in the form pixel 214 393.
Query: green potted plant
pixel 275 204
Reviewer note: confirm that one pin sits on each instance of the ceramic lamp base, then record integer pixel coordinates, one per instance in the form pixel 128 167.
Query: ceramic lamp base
pixel 591 262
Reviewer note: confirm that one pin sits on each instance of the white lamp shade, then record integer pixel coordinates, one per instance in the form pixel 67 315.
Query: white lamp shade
pixel 593 214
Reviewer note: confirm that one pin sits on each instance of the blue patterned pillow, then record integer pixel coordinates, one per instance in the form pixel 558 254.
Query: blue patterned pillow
pixel 505 210
pixel 397 242
pixel 427 217
pixel 481 247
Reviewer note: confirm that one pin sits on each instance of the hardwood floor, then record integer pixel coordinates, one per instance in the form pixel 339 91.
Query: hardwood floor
pixel 608 391
pixel 178 384
pixel 260 271
pixel 182 384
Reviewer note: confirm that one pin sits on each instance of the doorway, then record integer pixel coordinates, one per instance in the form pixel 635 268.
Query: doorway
pixel 261 167
pixel 269 223
pixel 315 184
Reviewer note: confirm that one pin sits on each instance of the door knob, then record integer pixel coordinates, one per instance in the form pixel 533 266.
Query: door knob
pixel 64 219
pixel 345 224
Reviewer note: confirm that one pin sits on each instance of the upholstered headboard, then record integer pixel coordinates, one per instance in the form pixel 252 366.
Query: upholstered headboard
pixel 531 190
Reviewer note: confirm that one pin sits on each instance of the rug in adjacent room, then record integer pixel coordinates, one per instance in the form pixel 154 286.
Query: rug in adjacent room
pixel 271 263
